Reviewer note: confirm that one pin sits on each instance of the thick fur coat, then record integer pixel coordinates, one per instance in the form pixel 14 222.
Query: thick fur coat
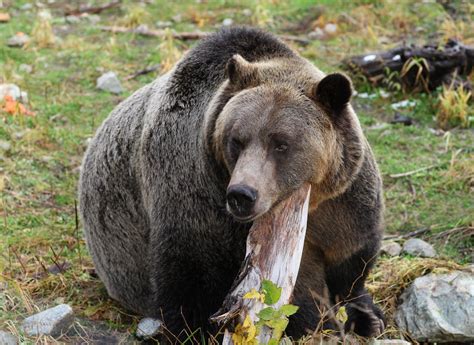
pixel 154 187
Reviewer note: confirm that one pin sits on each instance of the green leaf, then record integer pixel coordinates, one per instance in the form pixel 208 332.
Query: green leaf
pixel 266 314
pixel 271 291
pixel 278 326
pixel 273 342
pixel 289 309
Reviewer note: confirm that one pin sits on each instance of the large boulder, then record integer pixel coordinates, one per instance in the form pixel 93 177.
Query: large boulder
pixel 54 321
pixel 438 308
pixel 417 247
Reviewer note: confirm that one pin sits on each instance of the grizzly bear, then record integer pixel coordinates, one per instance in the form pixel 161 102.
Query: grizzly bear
pixel 175 176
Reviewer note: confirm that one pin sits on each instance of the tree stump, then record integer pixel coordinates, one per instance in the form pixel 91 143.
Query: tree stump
pixel 274 250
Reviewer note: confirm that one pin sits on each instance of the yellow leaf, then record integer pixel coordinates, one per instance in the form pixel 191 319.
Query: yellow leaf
pixel 341 315
pixel 254 294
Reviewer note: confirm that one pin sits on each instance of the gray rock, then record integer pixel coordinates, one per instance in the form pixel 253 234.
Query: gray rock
pixel 25 68
pixel 247 12
pixel 391 248
pixel 163 24
pixel 148 327
pixel 317 34
pixel 5 145
pixel 417 247
pixel 389 342
pixel 7 338
pixel 19 40
pixel 53 321
pixel 11 90
pixel 227 22
pixel 73 19
pixel 330 28
pixel 94 18
pixel 110 83
pixel 438 308
pixel 26 7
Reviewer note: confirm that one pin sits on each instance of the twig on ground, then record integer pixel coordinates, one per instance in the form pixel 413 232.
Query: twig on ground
pixel 194 35
pixel 464 231
pixel 409 173
pixel 143 71
pixel 92 9
pixel 408 235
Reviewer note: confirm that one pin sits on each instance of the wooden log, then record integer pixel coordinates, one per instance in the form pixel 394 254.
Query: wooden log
pixel 274 250
pixel 417 68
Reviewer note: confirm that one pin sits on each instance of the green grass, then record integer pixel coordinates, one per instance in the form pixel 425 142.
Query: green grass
pixel 38 175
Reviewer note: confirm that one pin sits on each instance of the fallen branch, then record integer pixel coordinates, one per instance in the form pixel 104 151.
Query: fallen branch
pixel 194 35
pixel 420 68
pixel 274 250
pixel 92 9
pixel 408 235
pixel 467 231
pixel 409 173
pixel 146 70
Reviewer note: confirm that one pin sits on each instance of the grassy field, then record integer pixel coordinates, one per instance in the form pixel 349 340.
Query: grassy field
pixel 41 154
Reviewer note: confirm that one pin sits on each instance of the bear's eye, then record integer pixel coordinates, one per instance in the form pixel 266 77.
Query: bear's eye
pixel 236 144
pixel 281 147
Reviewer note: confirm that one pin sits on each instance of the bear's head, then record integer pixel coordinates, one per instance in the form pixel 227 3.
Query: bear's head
pixel 280 123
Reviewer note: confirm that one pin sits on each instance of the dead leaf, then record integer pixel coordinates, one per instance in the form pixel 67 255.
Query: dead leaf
pixel 13 107
pixel 4 17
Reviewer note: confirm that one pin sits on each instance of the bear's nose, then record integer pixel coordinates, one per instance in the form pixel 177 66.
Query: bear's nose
pixel 241 200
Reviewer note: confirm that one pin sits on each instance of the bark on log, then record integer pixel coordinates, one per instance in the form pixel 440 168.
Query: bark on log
pixel 274 250
pixel 418 68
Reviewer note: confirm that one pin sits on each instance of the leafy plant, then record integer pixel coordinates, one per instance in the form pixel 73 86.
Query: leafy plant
pixel 274 318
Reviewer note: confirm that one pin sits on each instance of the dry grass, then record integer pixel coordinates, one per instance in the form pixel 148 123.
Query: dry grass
pixel 454 107
pixel 169 52
pixel 42 33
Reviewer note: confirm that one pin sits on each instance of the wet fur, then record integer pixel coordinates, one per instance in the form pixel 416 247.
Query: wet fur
pixel 153 186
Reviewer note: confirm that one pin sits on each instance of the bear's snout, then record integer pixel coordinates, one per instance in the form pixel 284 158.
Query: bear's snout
pixel 241 200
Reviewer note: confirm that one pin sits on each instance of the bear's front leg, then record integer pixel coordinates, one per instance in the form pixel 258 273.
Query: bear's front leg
pixel 311 295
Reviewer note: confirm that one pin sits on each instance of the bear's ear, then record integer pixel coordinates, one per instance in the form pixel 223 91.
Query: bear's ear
pixel 241 73
pixel 333 91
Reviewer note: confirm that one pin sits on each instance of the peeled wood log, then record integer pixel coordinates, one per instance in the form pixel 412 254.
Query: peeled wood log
pixel 274 250
pixel 420 68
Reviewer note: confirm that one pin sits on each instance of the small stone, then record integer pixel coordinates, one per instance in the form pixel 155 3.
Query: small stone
pixel 389 342
pixel 391 248
pixel 11 90
pixel 53 321
pixel 46 159
pixel 148 328
pixel 330 28
pixel 94 18
pixel 403 119
pixel 247 12
pixel 110 83
pixel 317 34
pixel 5 146
pixel 438 308
pixel 19 40
pixel 163 24
pixel 7 338
pixel 26 7
pixel 177 18
pixel 227 22
pixel 25 68
pixel 73 19
pixel 403 104
pixel 417 247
